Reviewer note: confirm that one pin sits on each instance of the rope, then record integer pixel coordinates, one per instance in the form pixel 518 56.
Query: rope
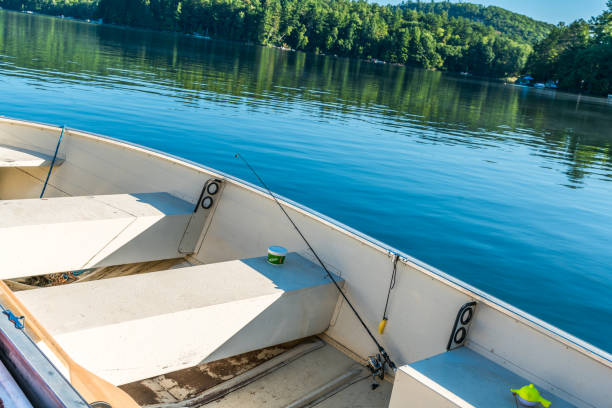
pixel 42 193
pixel 391 284
pixel 331 277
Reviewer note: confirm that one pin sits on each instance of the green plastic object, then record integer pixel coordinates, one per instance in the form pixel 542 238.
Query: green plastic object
pixel 529 396
pixel 276 255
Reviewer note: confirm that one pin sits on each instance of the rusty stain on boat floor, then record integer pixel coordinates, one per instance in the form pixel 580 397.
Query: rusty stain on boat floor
pixel 190 382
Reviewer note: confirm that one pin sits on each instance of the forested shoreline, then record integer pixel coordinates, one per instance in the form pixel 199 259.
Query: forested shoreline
pixel 578 55
pixel 484 41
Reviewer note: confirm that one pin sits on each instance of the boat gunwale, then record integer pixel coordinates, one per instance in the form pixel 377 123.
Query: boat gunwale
pixel 529 320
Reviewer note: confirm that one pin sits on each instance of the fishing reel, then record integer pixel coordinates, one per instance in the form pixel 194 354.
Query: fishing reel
pixel 376 364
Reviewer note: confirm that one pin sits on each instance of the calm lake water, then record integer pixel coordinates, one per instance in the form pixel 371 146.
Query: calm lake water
pixel 507 188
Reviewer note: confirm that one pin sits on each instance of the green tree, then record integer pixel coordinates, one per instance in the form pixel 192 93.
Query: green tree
pixel 578 56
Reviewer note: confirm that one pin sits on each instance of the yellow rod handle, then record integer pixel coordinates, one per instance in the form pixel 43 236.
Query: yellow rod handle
pixel 382 325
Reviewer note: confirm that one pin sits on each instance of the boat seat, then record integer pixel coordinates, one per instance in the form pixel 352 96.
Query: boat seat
pixel 135 327
pixel 17 157
pixel 460 378
pixel 40 236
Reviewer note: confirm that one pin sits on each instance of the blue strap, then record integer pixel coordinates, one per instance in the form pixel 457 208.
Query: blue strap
pixel 42 193
pixel 16 320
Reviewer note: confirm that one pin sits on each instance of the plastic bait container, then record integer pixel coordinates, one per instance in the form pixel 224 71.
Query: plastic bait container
pixel 276 255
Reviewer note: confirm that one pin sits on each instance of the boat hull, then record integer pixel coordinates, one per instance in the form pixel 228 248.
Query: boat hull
pixel 422 307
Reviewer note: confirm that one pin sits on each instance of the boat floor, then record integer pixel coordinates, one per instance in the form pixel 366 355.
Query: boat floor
pixel 303 376
pixel 64 278
pixel 304 373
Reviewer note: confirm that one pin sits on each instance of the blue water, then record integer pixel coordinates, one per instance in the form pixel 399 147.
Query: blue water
pixel 504 187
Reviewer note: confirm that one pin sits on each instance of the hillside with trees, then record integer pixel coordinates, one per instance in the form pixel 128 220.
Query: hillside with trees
pixel 396 34
pixel 578 56
pixel 485 41
pixel 513 25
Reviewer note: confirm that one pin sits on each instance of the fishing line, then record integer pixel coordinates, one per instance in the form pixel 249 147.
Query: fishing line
pixel 382 351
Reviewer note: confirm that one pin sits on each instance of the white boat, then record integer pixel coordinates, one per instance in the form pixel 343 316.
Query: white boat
pixel 144 281
pixel 201 36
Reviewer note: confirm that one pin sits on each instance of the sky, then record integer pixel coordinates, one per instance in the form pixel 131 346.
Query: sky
pixel 551 11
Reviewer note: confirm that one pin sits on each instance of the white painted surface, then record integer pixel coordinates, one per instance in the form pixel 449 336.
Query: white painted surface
pixel 423 304
pixel 40 236
pixel 554 366
pixel 16 157
pixel 95 165
pixel 465 378
pixel 422 307
pixel 135 327
pixel 413 389
pixel 19 183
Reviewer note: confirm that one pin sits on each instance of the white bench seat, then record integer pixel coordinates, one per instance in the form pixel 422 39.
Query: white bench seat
pixel 39 236
pixel 18 157
pixel 460 378
pixel 136 327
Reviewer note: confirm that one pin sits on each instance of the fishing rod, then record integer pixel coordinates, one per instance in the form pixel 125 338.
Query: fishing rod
pixel 381 350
